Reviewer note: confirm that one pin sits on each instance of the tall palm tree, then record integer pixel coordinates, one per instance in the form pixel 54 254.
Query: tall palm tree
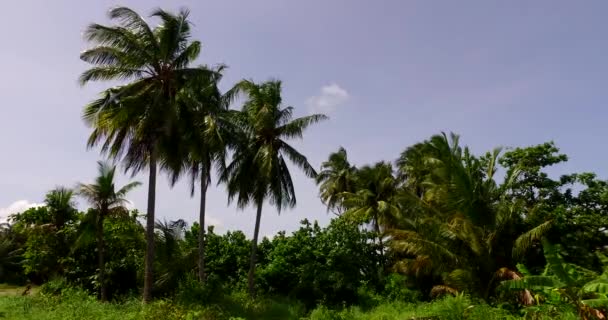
pixel 107 200
pixel 258 170
pixel 208 132
pixel 337 176
pixel 136 119
pixel 375 198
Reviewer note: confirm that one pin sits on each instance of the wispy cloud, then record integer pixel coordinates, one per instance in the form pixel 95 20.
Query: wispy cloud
pixel 16 207
pixel 218 224
pixel 214 222
pixel 330 98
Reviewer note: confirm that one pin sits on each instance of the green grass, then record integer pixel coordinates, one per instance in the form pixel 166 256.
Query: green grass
pixel 446 309
pixel 74 306
pixel 77 305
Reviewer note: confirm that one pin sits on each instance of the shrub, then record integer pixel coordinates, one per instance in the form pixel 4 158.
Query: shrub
pixel 54 287
pixel 395 289
pixel 192 292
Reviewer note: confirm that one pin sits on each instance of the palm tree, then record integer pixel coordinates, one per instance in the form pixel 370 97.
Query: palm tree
pixel 107 200
pixel 469 231
pixel 173 260
pixel 135 120
pixel 208 132
pixel 258 170
pixel 61 206
pixel 336 177
pixel 413 168
pixel 375 198
pixel 61 212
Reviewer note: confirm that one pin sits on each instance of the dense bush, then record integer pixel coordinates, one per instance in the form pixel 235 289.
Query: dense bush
pixel 322 265
pixel 396 289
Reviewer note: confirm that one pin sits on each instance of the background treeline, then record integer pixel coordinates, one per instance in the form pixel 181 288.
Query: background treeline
pixel 438 223
pixel 313 264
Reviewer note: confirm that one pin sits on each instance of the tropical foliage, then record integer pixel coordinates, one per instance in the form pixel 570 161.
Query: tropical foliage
pixel 561 281
pixel 438 232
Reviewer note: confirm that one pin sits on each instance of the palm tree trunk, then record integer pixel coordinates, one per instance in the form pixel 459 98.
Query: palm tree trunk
pixel 103 290
pixel 254 249
pixel 377 226
pixel 201 231
pixel 149 263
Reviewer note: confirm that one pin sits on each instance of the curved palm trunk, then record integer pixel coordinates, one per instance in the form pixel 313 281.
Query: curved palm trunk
pixel 103 289
pixel 149 263
pixel 201 231
pixel 254 249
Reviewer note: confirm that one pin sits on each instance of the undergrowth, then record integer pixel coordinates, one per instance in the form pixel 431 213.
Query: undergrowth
pixel 75 304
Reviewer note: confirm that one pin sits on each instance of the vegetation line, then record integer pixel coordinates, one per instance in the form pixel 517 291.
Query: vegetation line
pixel 434 234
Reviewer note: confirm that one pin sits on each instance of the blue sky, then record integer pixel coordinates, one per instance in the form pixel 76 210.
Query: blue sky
pixel 388 73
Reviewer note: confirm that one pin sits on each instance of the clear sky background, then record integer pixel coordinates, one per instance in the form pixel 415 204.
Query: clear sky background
pixel 388 73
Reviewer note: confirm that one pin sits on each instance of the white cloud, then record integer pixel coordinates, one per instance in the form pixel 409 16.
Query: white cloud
pixel 16 207
pixel 218 225
pixel 211 221
pixel 330 98
pixel 130 205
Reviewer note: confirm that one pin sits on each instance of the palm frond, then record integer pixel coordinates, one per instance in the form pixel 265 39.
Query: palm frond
pixel 531 283
pixel 441 290
pixel 298 159
pixel 189 54
pixel 119 38
pixel 596 303
pixel 296 127
pixel 419 246
pixel 599 285
pixel 107 73
pixel 526 240
pixel 460 279
pixel 130 20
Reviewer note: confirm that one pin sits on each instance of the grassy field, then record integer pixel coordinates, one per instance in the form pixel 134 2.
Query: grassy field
pixel 8 290
pixel 77 305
